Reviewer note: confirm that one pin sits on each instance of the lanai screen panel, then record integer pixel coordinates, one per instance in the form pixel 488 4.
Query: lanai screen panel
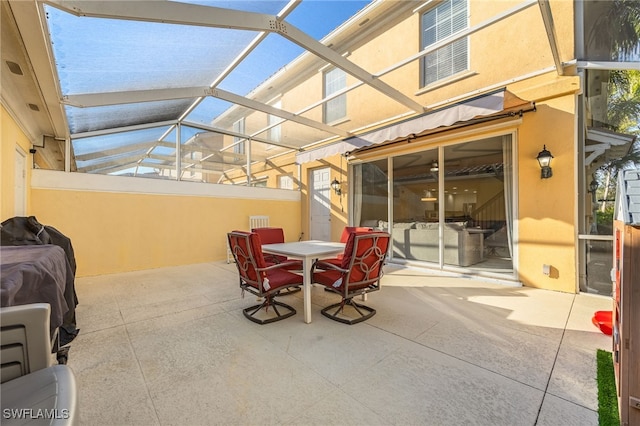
pixel 117 76
pixel 96 55
pixel 115 116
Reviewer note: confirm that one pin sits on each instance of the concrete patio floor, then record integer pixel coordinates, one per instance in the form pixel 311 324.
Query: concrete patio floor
pixel 171 346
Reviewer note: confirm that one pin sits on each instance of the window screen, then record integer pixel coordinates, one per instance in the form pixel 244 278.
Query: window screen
pixel 238 127
pixel 336 108
pixel 442 21
pixel 275 131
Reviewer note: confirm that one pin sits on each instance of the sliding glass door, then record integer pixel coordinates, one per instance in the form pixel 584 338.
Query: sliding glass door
pixel 415 206
pixel 371 194
pixel 478 204
pixel 451 206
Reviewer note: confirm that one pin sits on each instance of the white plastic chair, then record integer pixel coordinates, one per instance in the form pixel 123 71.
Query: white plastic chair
pixel 30 383
pixel 258 222
pixel 24 339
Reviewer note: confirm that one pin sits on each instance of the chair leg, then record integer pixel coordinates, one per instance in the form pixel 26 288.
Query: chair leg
pixel 359 308
pixel 250 312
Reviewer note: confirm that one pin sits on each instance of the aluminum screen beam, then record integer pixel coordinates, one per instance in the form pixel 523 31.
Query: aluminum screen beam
pixel 549 26
pixel 136 96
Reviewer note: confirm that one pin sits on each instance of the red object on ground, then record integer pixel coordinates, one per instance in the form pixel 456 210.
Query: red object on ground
pixel 602 320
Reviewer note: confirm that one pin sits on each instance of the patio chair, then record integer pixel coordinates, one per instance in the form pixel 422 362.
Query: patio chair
pixel 29 379
pixel 359 273
pixel 274 236
pixel 260 279
pixel 337 261
pixel 260 221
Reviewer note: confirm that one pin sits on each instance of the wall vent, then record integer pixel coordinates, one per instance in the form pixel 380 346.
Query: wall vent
pixel 14 68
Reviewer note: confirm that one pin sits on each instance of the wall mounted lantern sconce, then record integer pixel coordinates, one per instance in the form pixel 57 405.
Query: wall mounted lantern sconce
pixel 593 186
pixel 336 186
pixel 544 158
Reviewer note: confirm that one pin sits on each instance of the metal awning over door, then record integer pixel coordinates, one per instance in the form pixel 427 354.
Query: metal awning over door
pixel 486 105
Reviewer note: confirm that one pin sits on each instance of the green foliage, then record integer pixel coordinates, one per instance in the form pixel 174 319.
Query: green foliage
pixel 607 395
pixel 605 217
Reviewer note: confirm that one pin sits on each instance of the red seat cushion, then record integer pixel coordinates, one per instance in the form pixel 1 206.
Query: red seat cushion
pixel 328 278
pixel 282 278
pixel 274 236
pixel 349 229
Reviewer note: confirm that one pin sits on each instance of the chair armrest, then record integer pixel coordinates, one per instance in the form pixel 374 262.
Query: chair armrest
pixel 326 265
pixel 50 390
pixel 278 266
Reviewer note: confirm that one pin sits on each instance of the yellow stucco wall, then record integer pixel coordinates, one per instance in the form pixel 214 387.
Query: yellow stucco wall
pixel 116 232
pixel 547 207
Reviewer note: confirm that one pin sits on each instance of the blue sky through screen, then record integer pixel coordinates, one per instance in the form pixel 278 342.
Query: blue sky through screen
pixel 316 18
pixel 95 55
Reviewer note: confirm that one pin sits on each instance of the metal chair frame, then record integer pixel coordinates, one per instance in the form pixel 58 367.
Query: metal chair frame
pixel 246 262
pixel 373 272
pixel 260 221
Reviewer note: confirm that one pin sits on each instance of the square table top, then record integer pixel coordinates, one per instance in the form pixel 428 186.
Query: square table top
pixel 309 248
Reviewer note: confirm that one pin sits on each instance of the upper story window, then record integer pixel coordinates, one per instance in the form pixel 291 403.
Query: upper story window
pixel 238 127
pixel 274 133
pixel 447 18
pixel 336 108
pixel 285 182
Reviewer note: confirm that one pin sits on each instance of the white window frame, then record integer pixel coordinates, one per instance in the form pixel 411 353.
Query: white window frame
pixel 238 127
pixel 451 59
pixel 334 109
pixel 285 182
pixel 274 133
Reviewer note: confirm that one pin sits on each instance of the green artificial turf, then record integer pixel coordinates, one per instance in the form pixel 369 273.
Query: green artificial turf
pixel 607 394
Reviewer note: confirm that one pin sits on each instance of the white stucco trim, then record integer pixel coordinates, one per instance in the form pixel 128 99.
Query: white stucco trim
pixel 56 180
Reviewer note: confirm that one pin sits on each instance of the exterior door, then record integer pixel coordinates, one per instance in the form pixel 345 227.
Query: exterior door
pixel 320 205
pixel 20 206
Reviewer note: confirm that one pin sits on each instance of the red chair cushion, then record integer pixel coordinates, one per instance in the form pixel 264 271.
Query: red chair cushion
pixel 337 261
pixel 328 278
pixel 368 260
pixel 270 235
pixel 282 278
pixel 350 229
pixel 239 247
pixel 348 248
pixel 274 236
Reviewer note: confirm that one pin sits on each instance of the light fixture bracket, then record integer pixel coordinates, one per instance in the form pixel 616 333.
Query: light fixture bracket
pixel 336 186
pixel 544 159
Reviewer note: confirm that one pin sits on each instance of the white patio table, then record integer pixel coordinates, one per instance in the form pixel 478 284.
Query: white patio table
pixel 307 251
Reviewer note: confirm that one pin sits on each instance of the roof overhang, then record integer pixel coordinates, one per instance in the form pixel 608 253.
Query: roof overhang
pixel 604 145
